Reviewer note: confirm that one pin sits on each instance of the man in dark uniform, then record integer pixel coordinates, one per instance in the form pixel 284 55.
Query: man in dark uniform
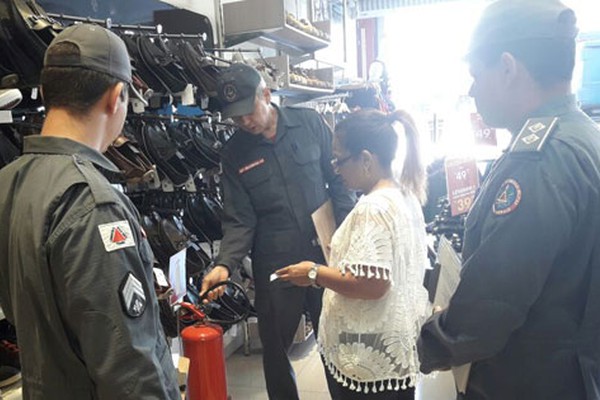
pixel 75 266
pixel 526 313
pixel 276 172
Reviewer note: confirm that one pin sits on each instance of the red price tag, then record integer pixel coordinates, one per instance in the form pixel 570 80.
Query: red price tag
pixel 462 181
pixel 484 135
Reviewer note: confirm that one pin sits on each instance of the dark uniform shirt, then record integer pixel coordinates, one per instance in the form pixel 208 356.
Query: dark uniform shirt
pixel 76 279
pixel 271 188
pixel 527 309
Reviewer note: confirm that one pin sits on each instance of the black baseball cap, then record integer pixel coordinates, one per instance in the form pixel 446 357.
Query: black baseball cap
pixel 236 88
pixel 100 50
pixel 508 21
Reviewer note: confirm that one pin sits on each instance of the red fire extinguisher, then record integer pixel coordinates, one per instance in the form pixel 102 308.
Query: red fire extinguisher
pixel 203 345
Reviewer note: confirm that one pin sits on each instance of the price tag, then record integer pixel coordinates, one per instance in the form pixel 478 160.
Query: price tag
pixel 187 96
pixel 484 135
pixel 6 117
pixel 160 277
pixel 462 181
pixel 137 106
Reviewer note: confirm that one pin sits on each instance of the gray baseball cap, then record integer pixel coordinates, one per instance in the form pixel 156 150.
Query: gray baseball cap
pixel 507 21
pixel 236 88
pixel 100 50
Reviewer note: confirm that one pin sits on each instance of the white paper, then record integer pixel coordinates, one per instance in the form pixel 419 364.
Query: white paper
pixel 438 386
pixel 161 279
pixel 273 277
pixel 177 276
pixel 324 221
pixel 450 265
pixel 461 377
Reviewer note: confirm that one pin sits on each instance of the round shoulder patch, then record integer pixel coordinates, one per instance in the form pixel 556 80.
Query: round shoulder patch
pixel 508 197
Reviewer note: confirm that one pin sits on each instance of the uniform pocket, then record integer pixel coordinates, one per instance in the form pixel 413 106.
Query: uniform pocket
pixel 262 191
pixel 256 176
pixel 307 154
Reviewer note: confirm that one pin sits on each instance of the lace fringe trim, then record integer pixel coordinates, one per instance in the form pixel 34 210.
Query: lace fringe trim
pixel 368 271
pixel 370 387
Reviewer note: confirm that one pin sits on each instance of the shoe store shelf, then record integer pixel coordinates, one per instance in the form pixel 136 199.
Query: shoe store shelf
pixel 268 23
pixel 303 79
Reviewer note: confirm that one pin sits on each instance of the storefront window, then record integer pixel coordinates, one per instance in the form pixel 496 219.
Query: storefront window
pixel 423 48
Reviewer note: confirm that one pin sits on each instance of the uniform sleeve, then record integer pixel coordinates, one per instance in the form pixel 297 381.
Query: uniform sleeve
pixel 92 254
pixel 506 272
pixel 343 200
pixel 239 219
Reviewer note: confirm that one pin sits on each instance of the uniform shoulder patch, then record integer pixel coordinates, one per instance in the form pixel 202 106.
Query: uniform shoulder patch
pixel 133 298
pixel 116 235
pixel 508 197
pixel 534 134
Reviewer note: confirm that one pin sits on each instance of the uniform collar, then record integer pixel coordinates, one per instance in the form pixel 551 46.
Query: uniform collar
pixel 38 144
pixel 556 107
pixel 285 120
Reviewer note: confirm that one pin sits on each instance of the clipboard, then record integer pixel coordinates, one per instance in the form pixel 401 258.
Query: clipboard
pixel 450 266
pixel 324 221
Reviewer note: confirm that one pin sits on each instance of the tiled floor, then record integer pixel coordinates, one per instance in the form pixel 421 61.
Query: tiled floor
pixel 245 380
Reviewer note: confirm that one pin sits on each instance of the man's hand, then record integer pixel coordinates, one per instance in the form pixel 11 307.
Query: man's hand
pixel 218 274
pixel 296 273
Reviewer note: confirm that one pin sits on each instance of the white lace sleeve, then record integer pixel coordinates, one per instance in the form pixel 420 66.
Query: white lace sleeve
pixel 368 243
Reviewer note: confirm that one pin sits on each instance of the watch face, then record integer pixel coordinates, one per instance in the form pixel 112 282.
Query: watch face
pixel 312 274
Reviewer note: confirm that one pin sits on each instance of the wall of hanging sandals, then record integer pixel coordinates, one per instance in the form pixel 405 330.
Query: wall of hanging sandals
pixel 170 161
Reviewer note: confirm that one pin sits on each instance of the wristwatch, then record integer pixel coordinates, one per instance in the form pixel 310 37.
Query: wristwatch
pixel 312 275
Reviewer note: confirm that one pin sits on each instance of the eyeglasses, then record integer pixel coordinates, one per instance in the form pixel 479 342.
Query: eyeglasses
pixel 337 163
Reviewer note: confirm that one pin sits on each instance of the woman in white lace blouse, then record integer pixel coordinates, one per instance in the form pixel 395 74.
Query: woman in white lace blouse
pixel 374 302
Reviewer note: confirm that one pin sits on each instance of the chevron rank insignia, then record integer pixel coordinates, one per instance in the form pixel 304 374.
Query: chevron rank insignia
pixel 533 135
pixel 133 298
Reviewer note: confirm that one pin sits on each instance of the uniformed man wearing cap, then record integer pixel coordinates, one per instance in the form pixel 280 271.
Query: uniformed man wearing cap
pixel 276 172
pixel 526 313
pixel 75 266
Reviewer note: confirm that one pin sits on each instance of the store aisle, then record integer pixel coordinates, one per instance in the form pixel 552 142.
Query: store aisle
pixel 245 380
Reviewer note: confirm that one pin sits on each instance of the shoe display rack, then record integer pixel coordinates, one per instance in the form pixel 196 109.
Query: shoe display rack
pixel 286 26
pixel 277 24
pixel 305 78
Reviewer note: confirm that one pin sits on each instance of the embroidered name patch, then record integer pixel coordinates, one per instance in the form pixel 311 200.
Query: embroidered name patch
pixel 508 197
pixel 254 164
pixel 132 296
pixel 116 235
